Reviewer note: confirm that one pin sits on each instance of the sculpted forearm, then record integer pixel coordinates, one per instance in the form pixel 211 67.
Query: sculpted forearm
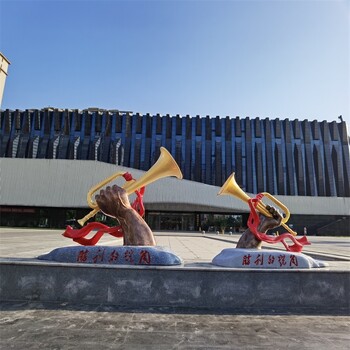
pixel 248 239
pixel 114 202
pixel 136 231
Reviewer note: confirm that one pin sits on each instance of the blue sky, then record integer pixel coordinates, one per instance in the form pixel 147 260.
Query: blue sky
pixel 275 59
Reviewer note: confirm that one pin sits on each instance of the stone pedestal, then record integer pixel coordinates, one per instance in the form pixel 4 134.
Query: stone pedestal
pixel 265 259
pixel 118 255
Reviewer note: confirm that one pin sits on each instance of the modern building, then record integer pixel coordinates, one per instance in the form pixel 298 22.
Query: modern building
pixel 305 164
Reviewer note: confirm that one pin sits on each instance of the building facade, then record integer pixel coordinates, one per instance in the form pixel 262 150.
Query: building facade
pixel 282 157
pixel 297 158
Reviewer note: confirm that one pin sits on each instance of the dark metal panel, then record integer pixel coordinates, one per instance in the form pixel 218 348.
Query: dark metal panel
pixel 4 141
pixel 148 126
pixel 5 122
pixel 239 164
pixel 238 128
pixel 138 121
pixel 105 148
pixel 279 169
pixel 198 162
pixel 228 156
pixel 299 169
pixel 217 126
pixel 137 154
pixel 168 127
pixel 338 171
pixel 278 128
pixel 98 122
pixel 126 139
pixel 198 121
pixel 32 148
pixel 296 129
pixel 118 122
pixel 158 120
pixel 315 127
pixel 270 164
pixel 84 154
pixel 217 164
pixel 346 159
pixel 208 169
pixel 22 149
pixel 319 170
pixel 259 167
pixel 57 120
pixel 62 151
pixel 108 121
pixel 26 123
pixel 87 123
pixel 188 130
pixel 188 161
pixel 329 172
pixel 310 174
pixel 257 127
pixel 18 119
pixel 249 156
pixel 47 122
pixel 228 130
pixel 66 122
pixel 289 158
pixel 37 119
pixel 208 128
pixel 147 162
pixel 77 120
pixel 334 131
pixel 43 147
pixel 178 124
pixel 178 153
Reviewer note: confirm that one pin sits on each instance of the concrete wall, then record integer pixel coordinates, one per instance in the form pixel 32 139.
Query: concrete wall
pixel 274 291
pixel 65 183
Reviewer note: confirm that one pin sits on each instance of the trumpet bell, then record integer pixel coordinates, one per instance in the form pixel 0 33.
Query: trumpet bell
pixel 165 166
pixel 231 187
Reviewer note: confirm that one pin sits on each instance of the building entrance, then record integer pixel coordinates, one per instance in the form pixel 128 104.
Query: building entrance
pixel 171 221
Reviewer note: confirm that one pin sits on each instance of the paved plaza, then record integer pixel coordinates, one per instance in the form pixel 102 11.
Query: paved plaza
pixel 192 247
pixel 34 325
pixel 49 327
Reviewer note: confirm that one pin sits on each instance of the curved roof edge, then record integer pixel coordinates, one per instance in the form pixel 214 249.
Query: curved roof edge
pixel 65 183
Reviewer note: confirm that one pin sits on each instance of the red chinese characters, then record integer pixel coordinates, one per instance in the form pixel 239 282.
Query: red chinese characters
pixel 271 260
pixel 103 255
pixel 129 256
pixel 293 260
pixel 246 260
pixel 282 260
pixel 259 260
pixel 113 257
pixel 99 256
pixel 82 256
pixel 145 257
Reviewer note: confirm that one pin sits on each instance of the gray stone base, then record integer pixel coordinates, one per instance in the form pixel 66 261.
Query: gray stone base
pixel 117 255
pixel 208 288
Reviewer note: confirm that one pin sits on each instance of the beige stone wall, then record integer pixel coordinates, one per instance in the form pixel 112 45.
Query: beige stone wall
pixel 4 64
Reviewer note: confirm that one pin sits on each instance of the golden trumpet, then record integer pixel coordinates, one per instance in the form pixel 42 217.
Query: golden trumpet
pixel 231 187
pixel 165 166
